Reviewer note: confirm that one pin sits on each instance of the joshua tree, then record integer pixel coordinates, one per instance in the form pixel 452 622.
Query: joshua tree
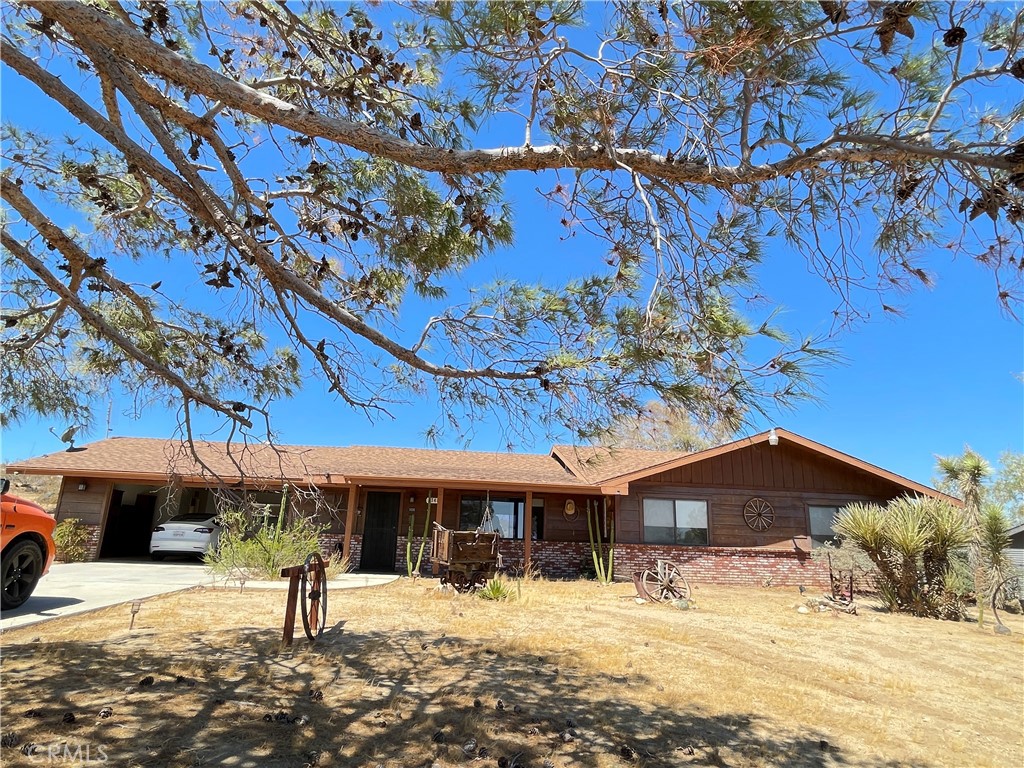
pixel 968 473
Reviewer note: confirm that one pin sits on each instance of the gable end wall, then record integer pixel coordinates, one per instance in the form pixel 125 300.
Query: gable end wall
pixel 788 477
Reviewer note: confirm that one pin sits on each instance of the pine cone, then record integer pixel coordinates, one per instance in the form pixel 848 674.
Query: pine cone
pixel 885 38
pixel 906 190
pixel 1017 69
pixel 835 11
pixel 952 38
pixel 905 28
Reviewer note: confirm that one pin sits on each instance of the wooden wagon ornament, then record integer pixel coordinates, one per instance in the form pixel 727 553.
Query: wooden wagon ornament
pixel 465 559
pixel 309 581
pixel 758 514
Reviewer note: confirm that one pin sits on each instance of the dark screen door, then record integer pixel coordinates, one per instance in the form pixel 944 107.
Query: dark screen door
pixel 380 531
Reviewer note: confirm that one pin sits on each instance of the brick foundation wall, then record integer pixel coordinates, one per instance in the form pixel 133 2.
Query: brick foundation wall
pixel 724 565
pixel 552 559
pixel 331 544
pixel 357 552
pixel 92 543
pixel 712 565
pixel 400 565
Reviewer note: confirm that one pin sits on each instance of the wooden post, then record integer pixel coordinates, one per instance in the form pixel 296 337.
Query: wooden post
pixel 350 522
pixel 294 574
pixel 438 518
pixel 528 531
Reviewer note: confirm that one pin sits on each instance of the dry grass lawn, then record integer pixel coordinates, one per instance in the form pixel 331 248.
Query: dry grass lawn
pixel 409 676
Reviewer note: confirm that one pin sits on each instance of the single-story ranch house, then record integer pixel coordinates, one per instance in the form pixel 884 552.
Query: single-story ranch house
pixel 746 512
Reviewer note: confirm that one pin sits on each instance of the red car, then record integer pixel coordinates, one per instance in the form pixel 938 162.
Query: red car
pixel 26 538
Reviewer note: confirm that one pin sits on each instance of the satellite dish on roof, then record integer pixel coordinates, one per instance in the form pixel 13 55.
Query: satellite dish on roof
pixel 68 435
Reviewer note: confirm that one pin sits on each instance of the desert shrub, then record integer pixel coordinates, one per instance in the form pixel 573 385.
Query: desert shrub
pixel 250 547
pixel 913 543
pixel 70 537
pixel 338 566
pixel 846 559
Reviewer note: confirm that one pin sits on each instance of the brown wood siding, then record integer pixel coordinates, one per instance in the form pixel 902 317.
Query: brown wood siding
pixel 629 520
pixel 781 468
pixel 789 477
pixel 89 505
pixel 725 513
pixel 557 527
pixel 329 510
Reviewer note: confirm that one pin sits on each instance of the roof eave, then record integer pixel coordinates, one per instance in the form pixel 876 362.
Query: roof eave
pixel 509 485
pixel 145 477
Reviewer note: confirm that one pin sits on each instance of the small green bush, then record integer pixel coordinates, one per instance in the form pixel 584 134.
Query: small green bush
pixel 251 548
pixel 70 538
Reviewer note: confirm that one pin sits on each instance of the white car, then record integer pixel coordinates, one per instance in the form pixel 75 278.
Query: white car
pixel 195 533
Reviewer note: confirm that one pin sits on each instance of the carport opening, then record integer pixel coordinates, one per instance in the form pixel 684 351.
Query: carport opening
pixel 129 522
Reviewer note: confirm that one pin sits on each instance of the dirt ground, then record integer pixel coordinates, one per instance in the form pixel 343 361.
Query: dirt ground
pixel 565 674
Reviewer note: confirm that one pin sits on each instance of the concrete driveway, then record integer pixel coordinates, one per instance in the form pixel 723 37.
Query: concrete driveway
pixel 71 588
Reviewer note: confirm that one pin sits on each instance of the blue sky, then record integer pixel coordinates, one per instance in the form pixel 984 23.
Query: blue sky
pixel 945 375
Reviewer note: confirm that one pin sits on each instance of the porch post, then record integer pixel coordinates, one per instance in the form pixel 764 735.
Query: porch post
pixel 528 531
pixel 435 566
pixel 350 521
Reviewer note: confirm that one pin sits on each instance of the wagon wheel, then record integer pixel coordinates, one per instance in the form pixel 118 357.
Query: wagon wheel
pixel 458 580
pixel 314 596
pixel 666 582
pixel 758 514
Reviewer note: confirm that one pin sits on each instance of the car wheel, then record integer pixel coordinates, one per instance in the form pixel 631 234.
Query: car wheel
pixel 21 568
pixel 158 556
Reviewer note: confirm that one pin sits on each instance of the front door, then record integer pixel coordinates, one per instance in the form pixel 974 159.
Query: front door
pixel 380 531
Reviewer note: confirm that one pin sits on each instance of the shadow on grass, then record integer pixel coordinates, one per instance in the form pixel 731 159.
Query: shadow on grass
pixel 402 699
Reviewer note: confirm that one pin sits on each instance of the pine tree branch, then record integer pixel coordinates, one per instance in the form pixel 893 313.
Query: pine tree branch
pixel 133 46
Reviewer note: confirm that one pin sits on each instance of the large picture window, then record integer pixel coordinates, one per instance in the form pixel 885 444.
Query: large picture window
pixel 821 518
pixel 508 515
pixel 676 521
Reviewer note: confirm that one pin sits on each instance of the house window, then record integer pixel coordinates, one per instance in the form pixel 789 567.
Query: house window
pixel 821 519
pixel 508 516
pixel 676 521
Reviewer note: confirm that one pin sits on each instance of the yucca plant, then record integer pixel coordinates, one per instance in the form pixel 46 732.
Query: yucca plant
pixel 911 541
pixel 495 589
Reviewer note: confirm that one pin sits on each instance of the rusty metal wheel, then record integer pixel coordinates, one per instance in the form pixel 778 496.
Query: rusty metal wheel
pixel 480 578
pixel 314 596
pixel 665 582
pixel 460 581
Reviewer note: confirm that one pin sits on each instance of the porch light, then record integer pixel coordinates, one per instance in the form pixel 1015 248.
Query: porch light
pixel 773 438
pixel 82 486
